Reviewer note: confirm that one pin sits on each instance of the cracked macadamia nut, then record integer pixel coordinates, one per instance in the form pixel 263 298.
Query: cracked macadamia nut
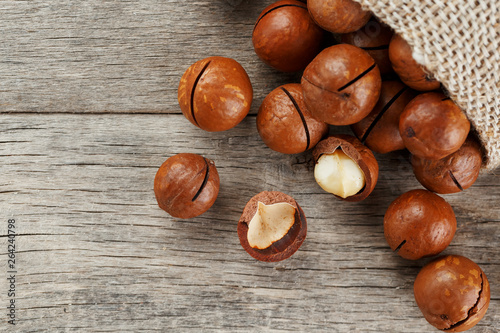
pixel 186 185
pixel 272 226
pixel 454 173
pixel 215 94
pixel 408 70
pixel 338 16
pixel 285 124
pixel 345 167
pixel 432 126
pixel 379 131
pixel 452 292
pixel 374 38
pixel 419 224
pixel 341 85
pixel 285 36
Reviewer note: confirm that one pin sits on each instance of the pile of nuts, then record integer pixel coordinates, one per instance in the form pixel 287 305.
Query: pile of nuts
pixel 371 82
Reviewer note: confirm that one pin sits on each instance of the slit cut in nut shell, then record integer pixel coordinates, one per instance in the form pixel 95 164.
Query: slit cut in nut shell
pixel 341 85
pixel 285 124
pixel 453 293
pixel 272 226
pixel 186 185
pixel 345 167
pixel 454 173
pixel 419 224
pixel 215 94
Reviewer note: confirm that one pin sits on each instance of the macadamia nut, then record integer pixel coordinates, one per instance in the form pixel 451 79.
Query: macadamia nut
pixel 345 167
pixel 341 85
pixel 269 224
pixel 285 36
pixel 338 16
pixel 186 185
pixel 432 126
pixel 419 224
pixel 338 174
pixel 452 292
pixel 272 226
pixel 215 94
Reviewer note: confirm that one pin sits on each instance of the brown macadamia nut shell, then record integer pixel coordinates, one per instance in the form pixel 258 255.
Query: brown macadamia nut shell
pixel 374 38
pixel 452 292
pixel 432 126
pixel 419 224
pixel 338 16
pixel 453 173
pixel 215 94
pixel 379 131
pixel 408 70
pixel 186 185
pixel 341 85
pixel 285 124
pixel 285 36
pixel 285 247
pixel 359 153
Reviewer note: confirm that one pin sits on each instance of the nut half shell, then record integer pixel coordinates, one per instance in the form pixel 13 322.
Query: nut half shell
pixel 287 245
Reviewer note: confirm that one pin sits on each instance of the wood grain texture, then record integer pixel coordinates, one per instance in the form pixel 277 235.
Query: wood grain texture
pixel 96 254
pixel 94 251
pixel 119 56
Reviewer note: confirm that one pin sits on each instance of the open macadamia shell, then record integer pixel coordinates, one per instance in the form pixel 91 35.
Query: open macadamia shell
pixel 453 173
pixel 215 94
pixel 285 123
pixel 408 70
pixel 341 85
pixel 285 36
pixel 186 185
pixel 338 16
pixel 287 245
pixel 452 292
pixel 419 224
pixel 379 131
pixel 432 126
pixel 374 38
pixel 359 153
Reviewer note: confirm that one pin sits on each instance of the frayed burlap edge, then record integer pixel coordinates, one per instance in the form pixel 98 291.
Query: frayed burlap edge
pixel 458 42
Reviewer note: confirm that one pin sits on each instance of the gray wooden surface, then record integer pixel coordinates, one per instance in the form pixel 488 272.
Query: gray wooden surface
pixel 96 254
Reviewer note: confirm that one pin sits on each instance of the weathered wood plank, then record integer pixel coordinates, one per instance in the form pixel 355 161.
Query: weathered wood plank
pixel 119 56
pixel 95 253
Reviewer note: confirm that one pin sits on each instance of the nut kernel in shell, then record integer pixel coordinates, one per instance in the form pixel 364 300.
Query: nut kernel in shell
pixel 360 155
pixel 289 242
pixel 270 224
pixel 338 174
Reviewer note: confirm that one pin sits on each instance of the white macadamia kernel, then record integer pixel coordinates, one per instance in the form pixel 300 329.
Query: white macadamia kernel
pixel 338 174
pixel 270 224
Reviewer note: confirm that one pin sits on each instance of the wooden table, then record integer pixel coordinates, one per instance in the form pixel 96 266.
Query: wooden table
pixel 89 113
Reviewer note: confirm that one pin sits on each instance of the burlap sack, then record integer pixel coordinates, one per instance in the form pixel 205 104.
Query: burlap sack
pixel 458 41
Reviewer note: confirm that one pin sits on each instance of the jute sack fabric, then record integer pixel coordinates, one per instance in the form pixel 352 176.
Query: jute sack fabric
pixel 458 41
